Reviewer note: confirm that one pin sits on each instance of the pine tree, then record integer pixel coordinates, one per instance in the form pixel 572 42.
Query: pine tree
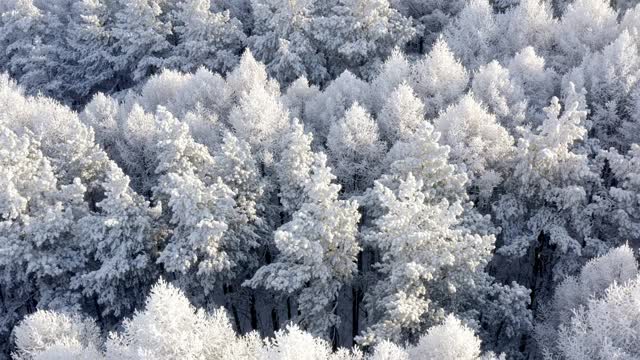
pixel 424 256
pixel 402 114
pixel 120 240
pixel 89 39
pixel 586 26
pixel 492 85
pixel 318 250
pixel 294 167
pixel 355 149
pixel 472 35
pixel 213 40
pixel 438 79
pixel 283 40
pixel 169 327
pixel 49 335
pixel 478 143
pixel 141 38
pixel 357 34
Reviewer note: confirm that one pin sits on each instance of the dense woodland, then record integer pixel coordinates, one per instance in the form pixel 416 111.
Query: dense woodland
pixel 319 179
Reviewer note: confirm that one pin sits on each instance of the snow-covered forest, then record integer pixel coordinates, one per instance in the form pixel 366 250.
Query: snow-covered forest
pixel 319 179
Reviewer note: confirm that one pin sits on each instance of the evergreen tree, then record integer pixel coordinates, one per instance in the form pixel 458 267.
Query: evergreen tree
pixel 317 251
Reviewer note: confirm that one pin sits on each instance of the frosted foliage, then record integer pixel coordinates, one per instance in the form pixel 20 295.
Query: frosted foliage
pixel 186 139
pixel 169 327
pixel 611 77
pixel 439 78
pixel 38 213
pixel 631 20
pixel 46 335
pixel 605 328
pixel 402 114
pixel 477 141
pixel 421 253
pixel 626 171
pixel 318 250
pixel 530 23
pixel 356 149
pixel 422 156
pixel 201 215
pixel 492 85
pixel 294 167
pixel 394 71
pixel 206 39
pixel 162 89
pixel 283 40
pixel 471 36
pixel 386 350
pixel 527 71
pixel 450 340
pixel 574 293
pixel 335 100
pixel 247 75
pixel 102 115
pixel 63 138
pixel 258 119
pixel 547 168
pixel 140 37
pixel 121 239
pixel 293 343
pixel 298 94
pixel 357 30
pixel 586 26
pixel 236 166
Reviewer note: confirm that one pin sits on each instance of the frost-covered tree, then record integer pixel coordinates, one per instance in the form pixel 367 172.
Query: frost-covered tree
pixel 170 327
pixel 288 344
pixel 472 35
pixel 569 308
pixel 259 119
pixel 402 114
pixel 48 335
pixel 422 156
pixel 298 94
pixel 618 209
pixel 235 164
pixel 431 15
pixel 530 23
pixel 294 167
pixel 39 250
pixel 317 251
pixel 450 340
pixel 393 72
pixel 329 106
pixel 205 38
pixel 120 241
pixel 283 39
pixel 527 71
pixel 356 34
pixel 478 143
pixel 199 204
pixel 543 212
pixel 586 26
pixel 611 77
pixel 492 85
pixel 20 22
pixel 356 149
pixel 141 38
pixel 584 318
pixel 438 79
pixel 38 214
pixel 424 257
pixel 606 328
